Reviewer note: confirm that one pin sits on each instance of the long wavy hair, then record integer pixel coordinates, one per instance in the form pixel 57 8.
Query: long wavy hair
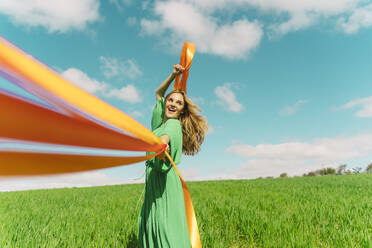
pixel 194 125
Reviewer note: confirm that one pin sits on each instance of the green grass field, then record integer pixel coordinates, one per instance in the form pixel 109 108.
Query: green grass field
pixel 327 211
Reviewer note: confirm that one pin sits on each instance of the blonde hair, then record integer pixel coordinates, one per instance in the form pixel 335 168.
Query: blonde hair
pixel 194 125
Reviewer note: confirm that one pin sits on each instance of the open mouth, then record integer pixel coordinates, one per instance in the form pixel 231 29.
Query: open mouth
pixel 171 110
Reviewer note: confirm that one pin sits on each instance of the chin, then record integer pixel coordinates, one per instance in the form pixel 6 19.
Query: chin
pixel 171 117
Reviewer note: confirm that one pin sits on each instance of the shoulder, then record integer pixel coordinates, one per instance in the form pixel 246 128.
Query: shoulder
pixel 173 124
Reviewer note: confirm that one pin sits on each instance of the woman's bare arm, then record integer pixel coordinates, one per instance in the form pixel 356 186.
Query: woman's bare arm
pixel 164 86
pixel 178 69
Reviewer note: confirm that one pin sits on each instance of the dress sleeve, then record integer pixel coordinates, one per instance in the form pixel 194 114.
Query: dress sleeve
pixel 173 130
pixel 157 114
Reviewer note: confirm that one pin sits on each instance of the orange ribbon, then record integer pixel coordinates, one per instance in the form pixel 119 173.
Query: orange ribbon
pixel 22 163
pixel 27 121
pixel 192 224
pixel 187 55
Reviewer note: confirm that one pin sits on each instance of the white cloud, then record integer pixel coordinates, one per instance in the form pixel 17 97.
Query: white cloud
pixel 149 27
pixel 360 18
pixel 197 100
pixel 145 3
pixel 323 149
pixel 190 173
pixel 232 40
pixel 54 15
pixel 127 93
pixel 335 6
pixel 84 179
pixel 83 81
pixel 210 130
pixel 295 15
pixel 302 14
pixel 113 67
pixel 121 4
pixel 291 109
pixel 116 3
pixel 296 22
pixel 136 114
pixel 296 158
pixel 201 22
pixel 274 167
pixel 365 105
pixel 132 21
pixel 227 98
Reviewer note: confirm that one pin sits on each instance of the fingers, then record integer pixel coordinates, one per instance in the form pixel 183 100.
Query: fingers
pixel 179 68
pixel 162 155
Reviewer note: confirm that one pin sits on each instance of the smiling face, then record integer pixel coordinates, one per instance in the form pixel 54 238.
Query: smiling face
pixel 174 105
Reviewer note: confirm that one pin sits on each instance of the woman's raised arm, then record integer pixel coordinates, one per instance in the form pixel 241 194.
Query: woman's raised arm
pixel 178 69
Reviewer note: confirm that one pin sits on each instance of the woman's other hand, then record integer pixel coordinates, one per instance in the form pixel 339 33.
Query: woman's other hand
pixel 165 139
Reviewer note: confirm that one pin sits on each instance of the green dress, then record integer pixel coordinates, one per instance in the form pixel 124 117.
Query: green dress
pixel 162 222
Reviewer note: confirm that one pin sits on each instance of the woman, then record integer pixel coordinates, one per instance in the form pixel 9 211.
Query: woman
pixel 162 222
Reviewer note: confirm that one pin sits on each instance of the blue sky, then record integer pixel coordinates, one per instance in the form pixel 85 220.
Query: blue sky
pixel 285 85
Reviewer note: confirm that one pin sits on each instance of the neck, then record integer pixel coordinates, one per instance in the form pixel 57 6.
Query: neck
pixel 165 119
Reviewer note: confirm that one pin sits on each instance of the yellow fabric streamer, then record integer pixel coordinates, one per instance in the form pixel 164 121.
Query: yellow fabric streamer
pixel 22 163
pixel 44 79
pixel 24 120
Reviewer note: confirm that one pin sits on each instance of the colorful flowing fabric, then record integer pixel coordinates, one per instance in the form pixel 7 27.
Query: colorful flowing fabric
pixel 187 55
pixel 73 118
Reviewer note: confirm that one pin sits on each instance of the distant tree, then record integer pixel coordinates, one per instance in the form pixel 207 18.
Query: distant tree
pixel 311 174
pixel 349 171
pixel 325 171
pixel 283 175
pixel 357 169
pixel 330 171
pixel 369 168
pixel 320 172
pixel 269 177
pixel 341 169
